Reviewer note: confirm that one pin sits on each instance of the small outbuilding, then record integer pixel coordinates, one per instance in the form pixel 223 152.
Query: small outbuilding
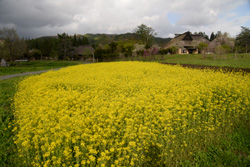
pixel 3 63
pixel 84 52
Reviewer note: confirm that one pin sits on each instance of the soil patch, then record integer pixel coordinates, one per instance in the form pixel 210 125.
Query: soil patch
pixel 216 68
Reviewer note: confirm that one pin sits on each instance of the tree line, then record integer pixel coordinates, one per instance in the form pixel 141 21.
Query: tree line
pixel 139 43
pixel 59 47
pixel 212 36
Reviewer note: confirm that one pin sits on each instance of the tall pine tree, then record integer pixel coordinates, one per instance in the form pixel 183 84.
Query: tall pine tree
pixel 212 36
pixel 74 41
pixel 65 45
pixel 243 40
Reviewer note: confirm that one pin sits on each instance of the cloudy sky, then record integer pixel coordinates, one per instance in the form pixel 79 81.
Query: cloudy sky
pixel 35 18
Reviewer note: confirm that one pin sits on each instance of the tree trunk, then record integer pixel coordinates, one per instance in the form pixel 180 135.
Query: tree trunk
pixel 11 54
pixel 64 53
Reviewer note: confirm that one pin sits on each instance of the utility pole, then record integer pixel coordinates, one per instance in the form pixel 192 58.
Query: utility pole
pixel 235 53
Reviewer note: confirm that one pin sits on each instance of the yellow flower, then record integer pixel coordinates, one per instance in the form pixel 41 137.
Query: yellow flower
pixel 92 158
pixel 120 113
pixel 132 163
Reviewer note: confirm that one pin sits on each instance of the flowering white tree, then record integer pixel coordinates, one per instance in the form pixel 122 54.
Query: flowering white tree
pixel 138 49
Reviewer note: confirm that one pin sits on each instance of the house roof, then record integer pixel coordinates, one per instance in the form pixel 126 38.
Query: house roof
pixel 186 39
pixel 81 50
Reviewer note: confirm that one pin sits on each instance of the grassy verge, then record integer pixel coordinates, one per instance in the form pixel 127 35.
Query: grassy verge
pixel 22 67
pixel 232 150
pixel 229 60
pixel 8 156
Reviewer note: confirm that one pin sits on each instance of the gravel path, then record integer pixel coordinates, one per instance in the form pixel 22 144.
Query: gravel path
pixel 23 74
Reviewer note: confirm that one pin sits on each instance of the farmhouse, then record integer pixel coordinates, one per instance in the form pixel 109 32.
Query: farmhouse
pixel 186 43
pixel 84 51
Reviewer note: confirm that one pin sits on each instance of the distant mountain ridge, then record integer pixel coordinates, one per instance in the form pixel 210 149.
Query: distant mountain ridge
pixel 107 38
pixel 94 38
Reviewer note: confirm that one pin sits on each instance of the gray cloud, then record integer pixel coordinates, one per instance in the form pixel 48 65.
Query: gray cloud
pixel 36 18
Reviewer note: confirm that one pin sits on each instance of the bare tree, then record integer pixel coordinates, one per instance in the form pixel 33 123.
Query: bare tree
pixel 10 38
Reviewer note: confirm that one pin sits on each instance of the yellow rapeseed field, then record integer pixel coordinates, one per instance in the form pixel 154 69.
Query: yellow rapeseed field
pixel 125 114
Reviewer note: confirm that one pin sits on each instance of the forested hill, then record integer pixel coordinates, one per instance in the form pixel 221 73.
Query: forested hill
pixel 162 41
pixel 107 38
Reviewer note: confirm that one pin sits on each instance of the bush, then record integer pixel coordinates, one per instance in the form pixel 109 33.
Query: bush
pixel 223 49
pixel 171 50
pixel 36 54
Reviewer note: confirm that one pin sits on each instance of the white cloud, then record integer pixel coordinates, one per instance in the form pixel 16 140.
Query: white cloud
pixel 150 18
pixel 37 18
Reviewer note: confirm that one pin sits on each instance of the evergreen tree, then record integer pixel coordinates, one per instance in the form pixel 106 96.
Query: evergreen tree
pixel 85 40
pixel 36 45
pixel 113 46
pixel 243 40
pixel 212 36
pixel 202 34
pixel 74 41
pixel 65 45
